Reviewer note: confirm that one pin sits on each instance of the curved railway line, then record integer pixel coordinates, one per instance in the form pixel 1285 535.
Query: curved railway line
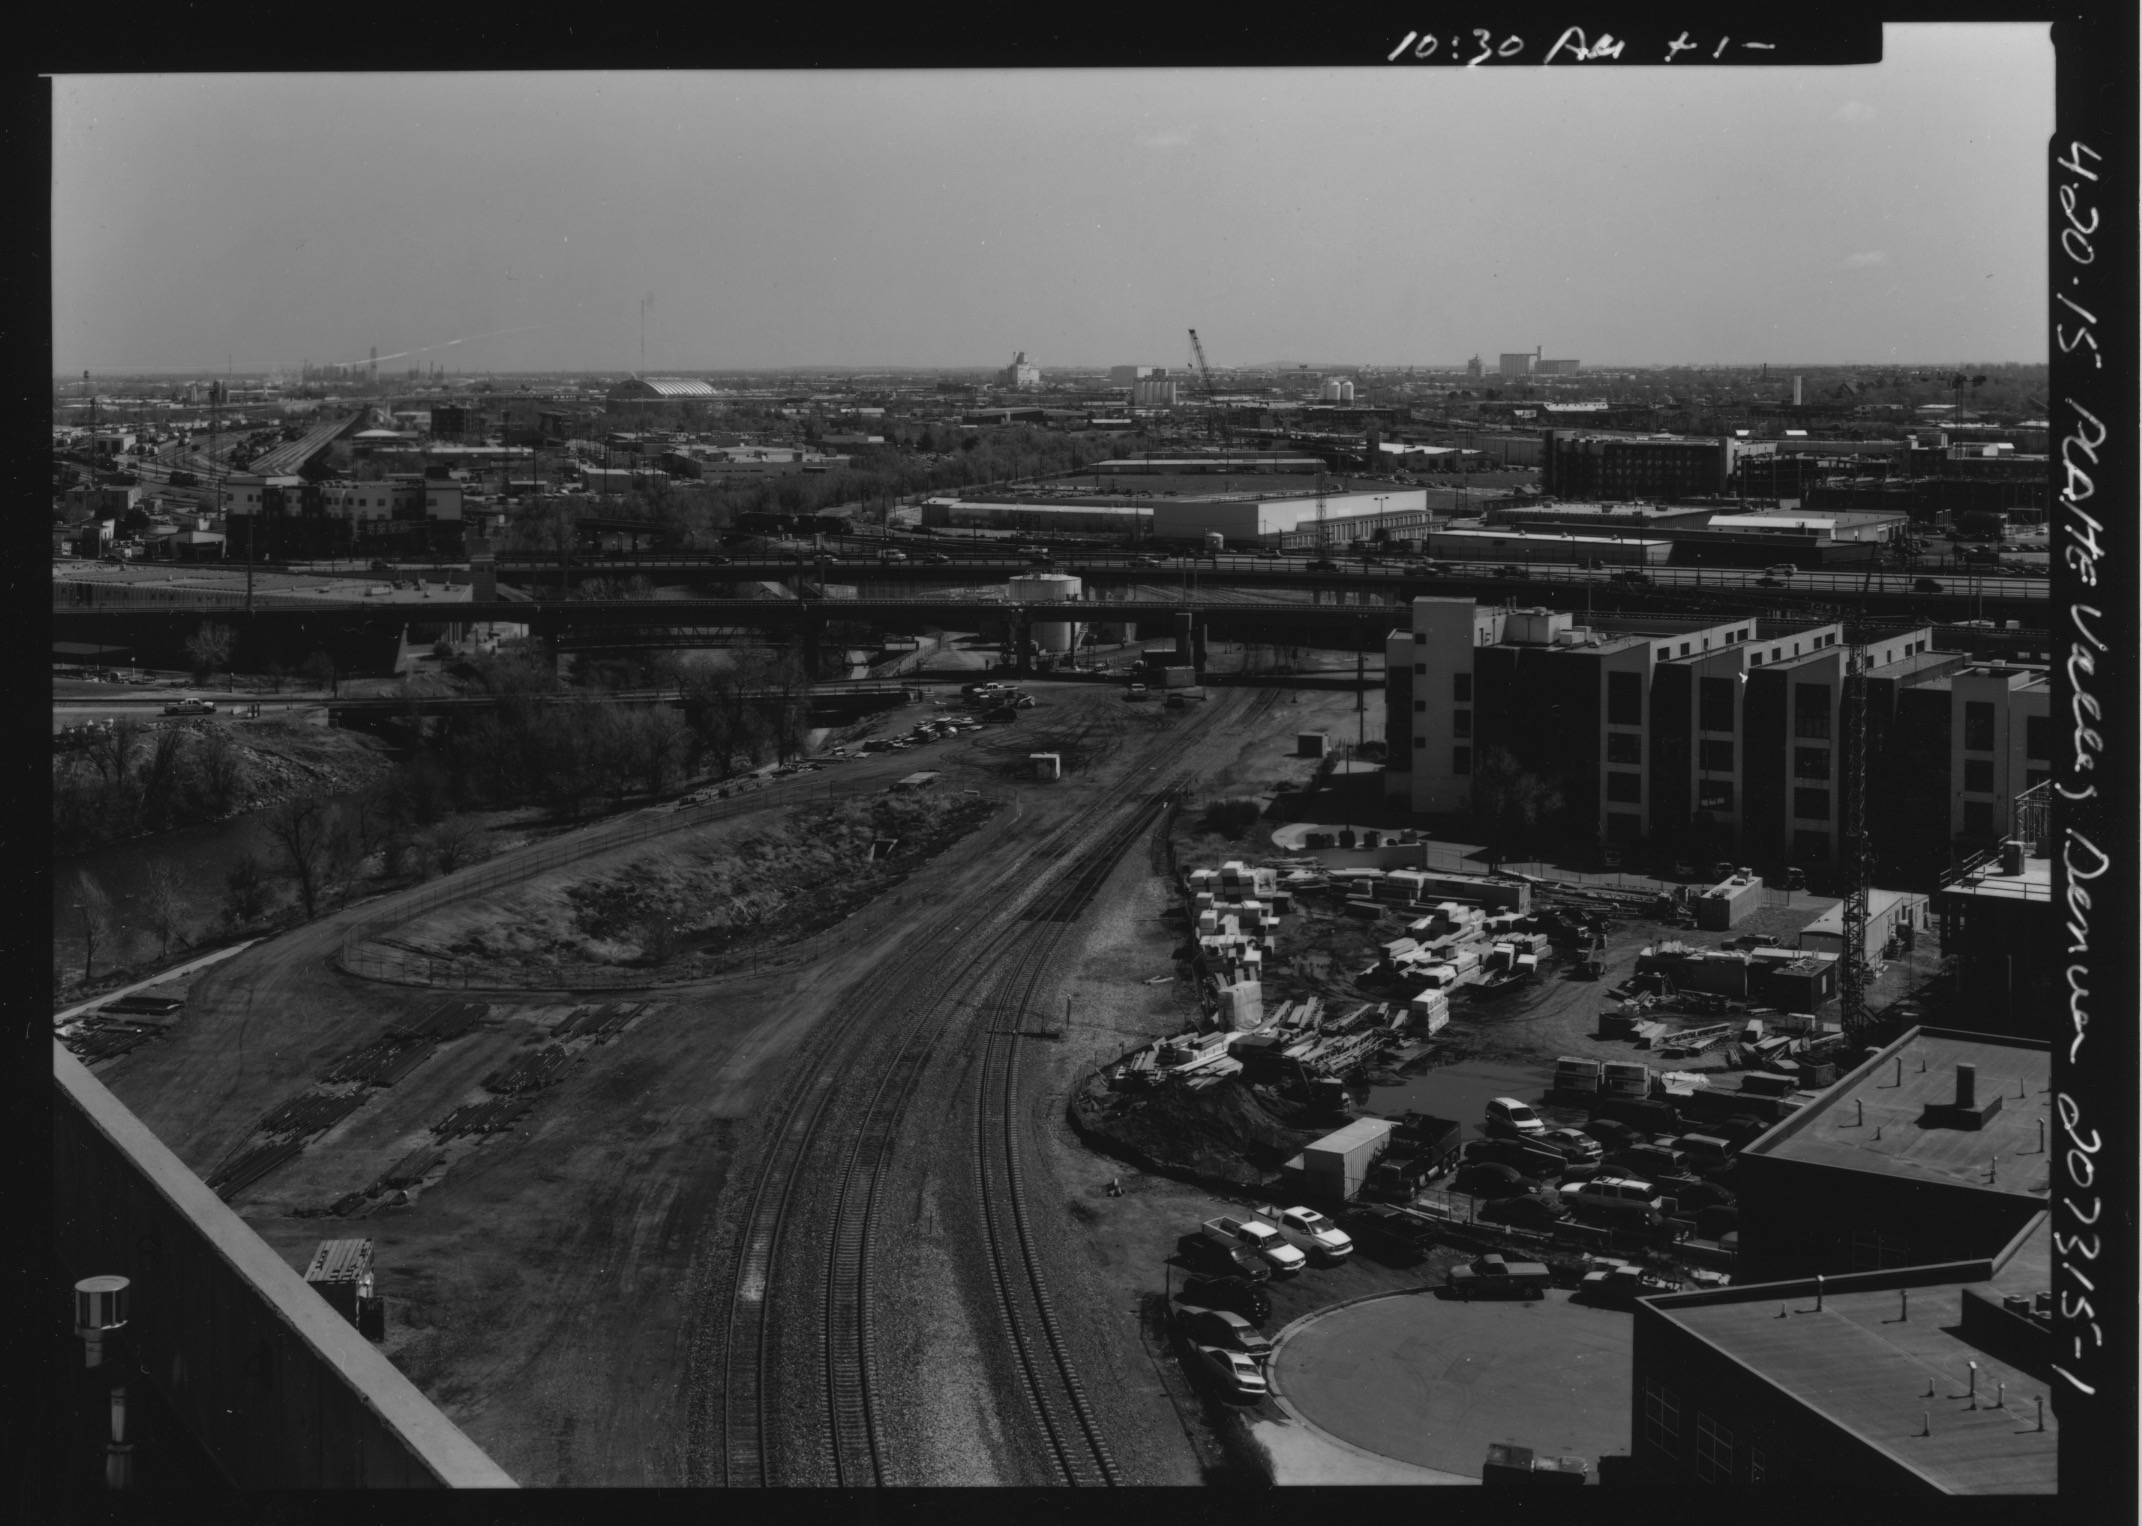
pixel 838 1123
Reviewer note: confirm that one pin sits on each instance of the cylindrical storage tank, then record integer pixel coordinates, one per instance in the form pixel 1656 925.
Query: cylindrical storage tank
pixel 1048 588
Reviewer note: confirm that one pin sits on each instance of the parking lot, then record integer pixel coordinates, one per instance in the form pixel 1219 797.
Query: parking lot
pixel 1432 1382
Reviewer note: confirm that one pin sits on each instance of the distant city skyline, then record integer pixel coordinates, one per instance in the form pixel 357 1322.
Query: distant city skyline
pixel 1889 214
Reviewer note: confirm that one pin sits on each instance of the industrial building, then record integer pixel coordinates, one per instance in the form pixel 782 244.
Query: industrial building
pixel 1154 392
pixel 1604 466
pixel 1891 914
pixel 656 392
pixel 1247 520
pixel 1097 518
pixel 1125 376
pixel 1935 1149
pixel 1021 373
pixel 1930 1379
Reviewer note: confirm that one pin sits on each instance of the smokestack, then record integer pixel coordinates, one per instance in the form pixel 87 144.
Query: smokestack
pixel 1966 1085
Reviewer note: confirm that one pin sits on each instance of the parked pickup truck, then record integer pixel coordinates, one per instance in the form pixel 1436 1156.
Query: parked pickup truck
pixel 1311 1233
pixel 1493 1277
pixel 1259 1237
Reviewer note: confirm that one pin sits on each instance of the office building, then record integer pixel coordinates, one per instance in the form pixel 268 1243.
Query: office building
pixel 1916 1381
pixel 1934 1149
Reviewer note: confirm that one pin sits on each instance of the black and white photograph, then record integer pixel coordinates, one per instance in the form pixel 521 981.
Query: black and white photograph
pixel 1398 772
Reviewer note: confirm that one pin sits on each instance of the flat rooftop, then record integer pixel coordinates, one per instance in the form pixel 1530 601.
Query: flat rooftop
pixel 1905 667
pixel 1864 1360
pixel 1986 882
pixel 1871 1120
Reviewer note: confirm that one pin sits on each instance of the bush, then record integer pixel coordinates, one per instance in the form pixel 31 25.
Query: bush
pixel 1231 818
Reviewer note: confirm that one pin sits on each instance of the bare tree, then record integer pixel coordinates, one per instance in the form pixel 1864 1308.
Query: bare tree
pixel 210 648
pixel 93 904
pixel 455 842
pixel 301 832
pixel 166 906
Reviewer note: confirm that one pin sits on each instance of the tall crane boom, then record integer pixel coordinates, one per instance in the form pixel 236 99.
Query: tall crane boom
pixel 1858 861
pixel 1212 396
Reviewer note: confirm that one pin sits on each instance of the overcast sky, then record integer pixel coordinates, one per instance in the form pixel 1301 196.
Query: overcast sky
pixel 1892 212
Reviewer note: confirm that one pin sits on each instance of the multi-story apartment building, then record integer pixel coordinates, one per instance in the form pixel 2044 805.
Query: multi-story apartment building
pixel 1709 739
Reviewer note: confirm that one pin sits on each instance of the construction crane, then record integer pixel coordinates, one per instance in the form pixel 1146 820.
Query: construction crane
pixel 1858 861
pixel 1214 416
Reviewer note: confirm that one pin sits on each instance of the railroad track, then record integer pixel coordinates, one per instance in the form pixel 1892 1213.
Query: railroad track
pixel 1050 1378
pixel 838 1111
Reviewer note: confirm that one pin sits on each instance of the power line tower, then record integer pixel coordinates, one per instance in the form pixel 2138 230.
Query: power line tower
pixel 1858 862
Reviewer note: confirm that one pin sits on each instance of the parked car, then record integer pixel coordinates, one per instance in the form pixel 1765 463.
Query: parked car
pixel 1926 585
pixel 191 707
pixel 1632 575
pixel 1717 1221
pixel 1237 1294
pixel 1512 570
pixel 1391 1235
pixel 1231 1372
pixel 1508 1118
pixel 1616 1196
pixel 1217 1260
pixel 1323 564
pixel 1486 1179
pixel 1493 1277
pixel 1310 1232
pixel 1575 1144
pixel 1703 1195
pixel 1223 1327
pixel 1781 569
pixel 1766 581
pixel 1647 1162
pixel 1521 1155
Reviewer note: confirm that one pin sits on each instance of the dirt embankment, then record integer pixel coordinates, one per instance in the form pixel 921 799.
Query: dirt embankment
pixel 1227 1136
pixel 108 791
pixel 697 904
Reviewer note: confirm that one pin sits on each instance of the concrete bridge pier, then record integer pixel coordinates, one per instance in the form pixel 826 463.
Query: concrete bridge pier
pixel 1020 632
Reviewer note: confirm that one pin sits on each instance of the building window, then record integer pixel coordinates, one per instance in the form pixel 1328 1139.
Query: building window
pixel 1757 1472
pixel 1978 725
pixel 1420 667
pixel 1811 804
pixel 1715 757
pixel 1461 723
pixel 1714 703
pixel 1420 638
pixel 1662 1418
pixel 1420 706
pixel 1461 760
pixel 1811 711
pixel 1714 795
pixel 1684 649
pixel 1625 747
pixel 1811 763
pixel 1978 775
pixel 1625 699
pixel 1773 654
pixel 1420 742
pixel 1461 688
pixel 1626 788
pixel 1978 818
pixel 2037 736
pixel 1714 1451
pixel 1665 653
pixel 1810 847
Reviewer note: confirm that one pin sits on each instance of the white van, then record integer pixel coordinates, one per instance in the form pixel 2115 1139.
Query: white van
pixel 1613 1194
pixel 1508 1118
